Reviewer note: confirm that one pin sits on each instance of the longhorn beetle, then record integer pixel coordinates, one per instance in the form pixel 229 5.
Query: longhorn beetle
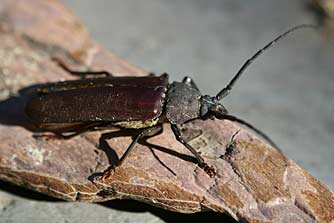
pixel 70 108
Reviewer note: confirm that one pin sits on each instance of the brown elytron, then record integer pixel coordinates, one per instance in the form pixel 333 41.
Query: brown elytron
pixel 109 99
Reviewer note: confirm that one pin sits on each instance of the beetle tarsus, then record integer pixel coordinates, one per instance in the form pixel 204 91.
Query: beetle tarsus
pixel 210 170
pixel 108 172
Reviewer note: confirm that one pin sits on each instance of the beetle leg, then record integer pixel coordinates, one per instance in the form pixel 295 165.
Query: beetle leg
pixel 189 81
pixel 201 163
pixel 177 133
pixel 81 73
pixel 146 132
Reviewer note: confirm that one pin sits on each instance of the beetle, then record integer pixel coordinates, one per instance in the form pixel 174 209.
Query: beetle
pixel 72 107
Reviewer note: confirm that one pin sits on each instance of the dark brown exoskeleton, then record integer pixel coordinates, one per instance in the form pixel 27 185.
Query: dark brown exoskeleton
pixel 72 107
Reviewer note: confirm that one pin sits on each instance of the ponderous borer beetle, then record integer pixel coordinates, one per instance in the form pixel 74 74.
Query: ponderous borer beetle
pixel 72 107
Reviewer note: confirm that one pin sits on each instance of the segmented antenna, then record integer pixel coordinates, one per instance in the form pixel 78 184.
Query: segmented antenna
pixel 259 132
pixel 225 91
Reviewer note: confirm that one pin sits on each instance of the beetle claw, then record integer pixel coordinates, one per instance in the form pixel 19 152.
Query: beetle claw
pixel 108 172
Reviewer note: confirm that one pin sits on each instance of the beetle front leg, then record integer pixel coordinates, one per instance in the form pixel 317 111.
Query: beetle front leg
pixel 201 163
pixel 82 74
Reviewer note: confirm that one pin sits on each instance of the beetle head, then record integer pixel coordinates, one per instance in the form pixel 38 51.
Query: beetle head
pixel 210 106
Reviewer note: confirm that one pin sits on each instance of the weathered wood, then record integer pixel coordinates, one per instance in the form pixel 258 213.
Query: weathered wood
pixel 254 182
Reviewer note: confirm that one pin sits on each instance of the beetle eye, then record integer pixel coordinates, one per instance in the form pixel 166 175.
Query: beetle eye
pixel 204 110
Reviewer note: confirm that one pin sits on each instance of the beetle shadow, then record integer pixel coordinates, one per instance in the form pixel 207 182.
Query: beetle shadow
pixel 114 159
pixel 12 109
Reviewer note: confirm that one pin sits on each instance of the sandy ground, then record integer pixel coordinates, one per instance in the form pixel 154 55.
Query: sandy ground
pixel 288 92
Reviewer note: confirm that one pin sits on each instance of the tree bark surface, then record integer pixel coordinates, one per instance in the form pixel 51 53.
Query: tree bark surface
pixel 254 182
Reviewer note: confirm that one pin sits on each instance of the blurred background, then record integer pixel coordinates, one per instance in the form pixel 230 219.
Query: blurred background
pixel 288 92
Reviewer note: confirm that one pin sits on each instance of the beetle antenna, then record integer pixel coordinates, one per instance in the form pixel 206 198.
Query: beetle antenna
pixel 235 119
pixel 226 90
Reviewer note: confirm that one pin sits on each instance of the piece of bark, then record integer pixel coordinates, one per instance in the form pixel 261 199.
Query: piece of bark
pixel 324 12
pixel 254 182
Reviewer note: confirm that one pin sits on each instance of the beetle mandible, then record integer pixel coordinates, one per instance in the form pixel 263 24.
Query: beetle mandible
pixel 70 108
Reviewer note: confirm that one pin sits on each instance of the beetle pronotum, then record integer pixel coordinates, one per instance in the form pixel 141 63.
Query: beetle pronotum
pixel 72 107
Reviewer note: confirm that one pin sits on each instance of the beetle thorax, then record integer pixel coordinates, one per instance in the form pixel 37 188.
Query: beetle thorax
pixel 183 103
